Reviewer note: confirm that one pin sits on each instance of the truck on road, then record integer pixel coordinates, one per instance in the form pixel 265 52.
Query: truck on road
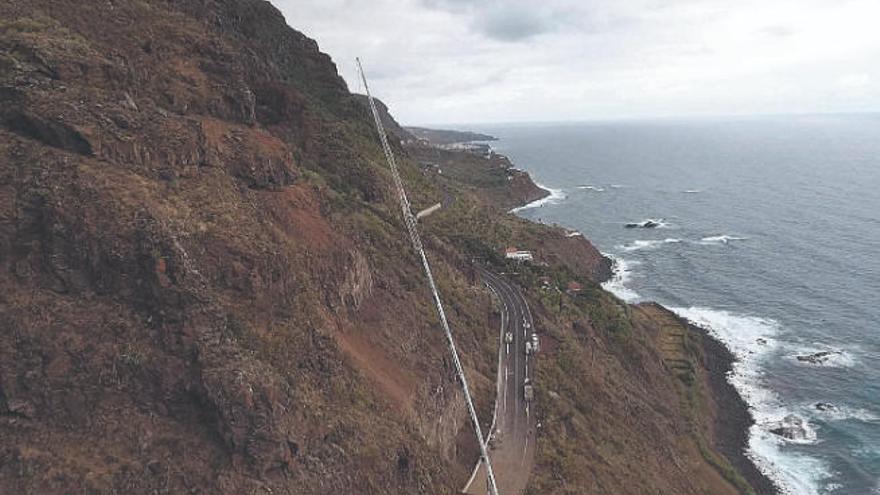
pixel 528 390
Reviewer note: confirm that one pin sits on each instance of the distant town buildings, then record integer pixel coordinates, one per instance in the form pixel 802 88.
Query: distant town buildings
pixel 481 149
pixel 475 148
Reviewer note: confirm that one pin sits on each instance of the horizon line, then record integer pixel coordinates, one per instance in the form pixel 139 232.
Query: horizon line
pixel 644 119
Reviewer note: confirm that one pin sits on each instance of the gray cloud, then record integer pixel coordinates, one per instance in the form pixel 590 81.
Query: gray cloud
pixel 512 20
pixel 512 25
pixel 451 5
pixel 436 61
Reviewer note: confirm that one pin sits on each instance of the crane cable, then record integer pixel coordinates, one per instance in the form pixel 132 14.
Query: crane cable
pixel 410 221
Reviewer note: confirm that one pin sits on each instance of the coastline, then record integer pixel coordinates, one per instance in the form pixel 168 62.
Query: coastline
pixel 731 425
pixel 730 419
pixel 733 419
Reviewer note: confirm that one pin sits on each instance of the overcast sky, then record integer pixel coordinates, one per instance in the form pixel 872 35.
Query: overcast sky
pixel 460 61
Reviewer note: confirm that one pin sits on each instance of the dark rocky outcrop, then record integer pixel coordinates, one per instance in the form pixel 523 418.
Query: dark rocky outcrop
pixel 200 270
pixel 820 357
pixel 791 427
pixel 646 224
pixel 51 133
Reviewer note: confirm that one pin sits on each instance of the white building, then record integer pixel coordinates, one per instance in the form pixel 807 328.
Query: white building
pixel 513 253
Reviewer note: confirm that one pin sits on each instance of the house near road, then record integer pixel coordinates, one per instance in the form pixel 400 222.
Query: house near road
pixel 513 253
pixel 574 287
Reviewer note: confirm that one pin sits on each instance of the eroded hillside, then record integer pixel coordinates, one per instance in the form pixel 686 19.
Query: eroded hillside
pixel 205 287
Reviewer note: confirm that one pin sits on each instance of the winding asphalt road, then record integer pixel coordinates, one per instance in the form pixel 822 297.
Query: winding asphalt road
pixel 512 444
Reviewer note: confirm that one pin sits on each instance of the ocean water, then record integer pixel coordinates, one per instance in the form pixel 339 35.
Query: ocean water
pixel 769 235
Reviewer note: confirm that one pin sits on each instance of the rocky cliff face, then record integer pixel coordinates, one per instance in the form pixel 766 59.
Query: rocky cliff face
pixel 202 288
pixel 392 127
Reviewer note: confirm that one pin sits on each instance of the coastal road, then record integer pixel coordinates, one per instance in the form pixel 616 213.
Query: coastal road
pixel 512 444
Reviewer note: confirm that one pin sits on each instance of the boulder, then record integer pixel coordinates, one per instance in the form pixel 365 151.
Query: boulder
pixel 820 357
pixel 791 428
pixel 647 224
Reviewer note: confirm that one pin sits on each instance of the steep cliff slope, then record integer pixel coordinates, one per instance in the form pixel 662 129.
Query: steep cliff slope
pixel 206 288
pixel 392 127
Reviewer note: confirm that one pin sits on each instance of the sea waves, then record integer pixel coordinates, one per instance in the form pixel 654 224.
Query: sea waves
pixel 844 413
pixel 720 239
pixel 648 244
pixel 821 355
pixel 587 187
pixel 620 275
pixel 753 340
pixel 555 196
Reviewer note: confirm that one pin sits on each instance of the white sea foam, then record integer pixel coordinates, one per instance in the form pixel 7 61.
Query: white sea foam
pixel 752 340
pixel 843 413
pixel 616 186
pixel 826 356
pixel 555 196
pixel 591 188
pixel 720 239
pixel 573 233
pixel 621 272
pixel 799 429
pixel 692 191
pixel 796 474
pixel 648 244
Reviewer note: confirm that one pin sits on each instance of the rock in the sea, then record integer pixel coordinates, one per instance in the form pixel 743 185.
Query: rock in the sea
pixel 647 224
pixel 817 357
pixel 791 428
pixel 825 406
pixel 761 341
